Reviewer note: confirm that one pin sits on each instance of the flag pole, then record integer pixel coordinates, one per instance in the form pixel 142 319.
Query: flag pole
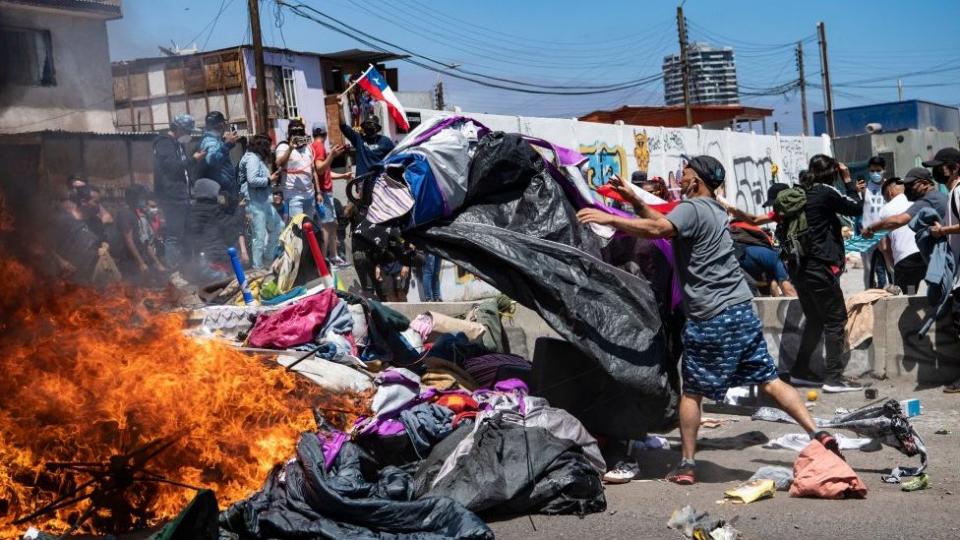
pixel 354 83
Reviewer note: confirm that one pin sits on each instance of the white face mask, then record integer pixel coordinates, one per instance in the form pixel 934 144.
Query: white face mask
pixel 183 139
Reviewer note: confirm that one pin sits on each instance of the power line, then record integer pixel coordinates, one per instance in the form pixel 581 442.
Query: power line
pixel 459 73
pixel 224 4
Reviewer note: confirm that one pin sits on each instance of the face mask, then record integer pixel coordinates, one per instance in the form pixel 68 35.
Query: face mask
pixel 876 177
pixel 940 174
pixel 183 139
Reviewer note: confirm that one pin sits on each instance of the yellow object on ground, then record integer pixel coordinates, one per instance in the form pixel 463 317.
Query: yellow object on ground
pixel 751 491
pixel 811 395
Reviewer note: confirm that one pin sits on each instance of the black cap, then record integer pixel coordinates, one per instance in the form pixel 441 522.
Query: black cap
pixel 773 191
pixel 709 169
pixel 944 155
pixel 917 173
pixel 638 177
pixel 372 120
pixel 214 118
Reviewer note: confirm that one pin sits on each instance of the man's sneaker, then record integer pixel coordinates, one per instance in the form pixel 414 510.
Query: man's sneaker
pixel 622 473
pixel 842 385
pixel 952 388
pixel 828 442
pixel 807 382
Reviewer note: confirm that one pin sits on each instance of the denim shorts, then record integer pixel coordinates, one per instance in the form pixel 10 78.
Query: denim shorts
pixel 327 211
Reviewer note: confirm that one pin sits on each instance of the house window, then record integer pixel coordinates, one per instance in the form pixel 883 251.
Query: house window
pixel 289 94
pixel 26 57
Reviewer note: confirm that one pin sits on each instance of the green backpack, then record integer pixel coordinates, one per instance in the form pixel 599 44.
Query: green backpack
pixel 793 231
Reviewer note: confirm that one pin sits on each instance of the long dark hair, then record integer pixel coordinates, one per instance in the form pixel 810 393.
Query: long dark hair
pixel 823 169
pixel 261 146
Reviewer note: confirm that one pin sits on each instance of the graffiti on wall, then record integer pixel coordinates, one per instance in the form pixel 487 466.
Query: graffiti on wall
pixel 793 159
pixel 753 178
pixel 603 161
pixel 641 150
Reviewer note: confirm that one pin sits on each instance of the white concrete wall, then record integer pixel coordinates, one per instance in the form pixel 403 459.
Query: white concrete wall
pixel 82 99
pixel 308 86
pixel 623 149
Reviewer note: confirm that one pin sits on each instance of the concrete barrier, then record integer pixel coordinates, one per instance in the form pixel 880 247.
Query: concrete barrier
pixel 933 360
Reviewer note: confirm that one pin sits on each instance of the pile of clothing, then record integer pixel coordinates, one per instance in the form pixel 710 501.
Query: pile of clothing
pixel 503 207
pixel 428 464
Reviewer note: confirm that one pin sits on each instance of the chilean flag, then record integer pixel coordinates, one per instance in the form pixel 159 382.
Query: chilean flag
pixel 375 85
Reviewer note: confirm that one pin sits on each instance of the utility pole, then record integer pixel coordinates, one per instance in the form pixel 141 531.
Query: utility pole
pixel 827 91
pixel 803 88
pixel 263 118
pixel 682 31
pixel 900 89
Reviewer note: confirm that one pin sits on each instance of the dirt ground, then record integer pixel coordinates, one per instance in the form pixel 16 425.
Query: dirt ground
pixel 641 509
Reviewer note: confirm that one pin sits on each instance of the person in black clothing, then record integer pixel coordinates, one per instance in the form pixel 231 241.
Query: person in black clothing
pixel 371 147
pixel 75 246
pixel 206 233
pixel 342 223
pixel 172 180
pixel 817 274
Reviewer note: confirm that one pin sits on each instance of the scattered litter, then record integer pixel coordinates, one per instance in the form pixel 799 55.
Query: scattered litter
pixel 713 423
pixel 911 407
pixel 870 393
pixel 652 442
pixel 737 395
pixel 821 474
pixel 799 441
pixel 726 532
pixel 691 523
pixel 942 432
pixel 782 477
pixel 919 483
pixel 812 395
pixel 751 491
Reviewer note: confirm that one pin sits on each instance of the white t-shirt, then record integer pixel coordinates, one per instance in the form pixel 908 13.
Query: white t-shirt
pixel 903 241
pixel 872 204
pixel 297 176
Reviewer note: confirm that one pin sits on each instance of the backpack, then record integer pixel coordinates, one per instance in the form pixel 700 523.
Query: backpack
pixel 793 233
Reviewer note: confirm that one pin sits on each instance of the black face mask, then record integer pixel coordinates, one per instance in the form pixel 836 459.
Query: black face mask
pixel 912 193
pixel 940 174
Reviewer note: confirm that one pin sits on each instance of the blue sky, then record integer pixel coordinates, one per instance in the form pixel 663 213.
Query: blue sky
pixel 566 43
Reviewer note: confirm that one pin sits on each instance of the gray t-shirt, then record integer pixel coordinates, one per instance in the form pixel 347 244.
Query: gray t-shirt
pixel 703 250
pixel 932 199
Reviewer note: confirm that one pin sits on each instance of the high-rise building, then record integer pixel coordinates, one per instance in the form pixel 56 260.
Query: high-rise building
pixel 713 76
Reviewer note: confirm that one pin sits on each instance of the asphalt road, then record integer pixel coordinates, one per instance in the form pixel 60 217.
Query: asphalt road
pixel 641 509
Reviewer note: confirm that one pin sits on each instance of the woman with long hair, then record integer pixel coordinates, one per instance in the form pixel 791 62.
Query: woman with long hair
pixel 256 187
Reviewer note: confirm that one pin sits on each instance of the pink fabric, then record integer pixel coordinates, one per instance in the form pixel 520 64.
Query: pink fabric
pixel 295 324
pixel 423 325
pixel 820 473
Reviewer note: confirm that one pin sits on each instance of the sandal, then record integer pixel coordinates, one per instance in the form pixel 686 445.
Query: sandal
pixel 683 475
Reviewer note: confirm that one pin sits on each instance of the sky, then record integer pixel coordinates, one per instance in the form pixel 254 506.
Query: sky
pixel 563 43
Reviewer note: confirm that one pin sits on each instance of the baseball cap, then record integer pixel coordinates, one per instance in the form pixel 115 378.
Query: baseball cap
pixel 319 130
pixel 944 155
pixel 709 169
pixel 917 173
pixel 773 191
pixel 638 177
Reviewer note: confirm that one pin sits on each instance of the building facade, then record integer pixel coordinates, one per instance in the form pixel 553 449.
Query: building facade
pixel 150 92
pixel 896 116
pixel 55 65
pixel 713 76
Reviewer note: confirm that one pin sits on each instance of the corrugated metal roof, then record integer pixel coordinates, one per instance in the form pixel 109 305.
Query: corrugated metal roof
pixel 351 55
pixel 110 8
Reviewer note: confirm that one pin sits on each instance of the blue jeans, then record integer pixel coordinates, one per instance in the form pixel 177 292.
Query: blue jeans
pixel 430 276
pixel 265 228
pixel 302 204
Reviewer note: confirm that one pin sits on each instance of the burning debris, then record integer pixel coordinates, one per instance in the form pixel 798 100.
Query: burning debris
pixel 90 378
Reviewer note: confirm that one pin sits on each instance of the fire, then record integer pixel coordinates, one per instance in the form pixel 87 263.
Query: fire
pixel 87 376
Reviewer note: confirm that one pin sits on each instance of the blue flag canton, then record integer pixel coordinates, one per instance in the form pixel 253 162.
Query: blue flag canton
pixel 376 79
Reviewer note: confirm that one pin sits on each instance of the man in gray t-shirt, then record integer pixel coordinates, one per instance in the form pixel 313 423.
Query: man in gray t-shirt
pixel 708 267
pixel 723 344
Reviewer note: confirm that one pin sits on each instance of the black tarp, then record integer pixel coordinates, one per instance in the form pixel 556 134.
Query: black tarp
pixel 514 469
pixel 301 500
pixel 518 231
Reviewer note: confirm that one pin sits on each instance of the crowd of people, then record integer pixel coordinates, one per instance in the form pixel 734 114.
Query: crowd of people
pixel 204 202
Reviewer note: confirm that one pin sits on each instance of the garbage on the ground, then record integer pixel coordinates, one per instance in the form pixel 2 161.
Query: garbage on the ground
pixel 737 395
pixel 700 526
pixel 919 483
pixel 799 441
pixel 942 432
pixel 713 423
pixel 870 393
pixel 911 407
pixel 812 395
pixel 819 473
pixel 885 422
pixel 782 477
pixel 651 442
pixel 750 491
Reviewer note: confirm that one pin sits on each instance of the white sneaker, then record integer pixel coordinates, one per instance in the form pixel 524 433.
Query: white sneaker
pixel 623 473
pixel 337 261
pixel 842 385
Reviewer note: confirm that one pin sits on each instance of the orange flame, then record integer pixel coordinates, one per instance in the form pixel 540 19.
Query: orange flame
pixel 87 376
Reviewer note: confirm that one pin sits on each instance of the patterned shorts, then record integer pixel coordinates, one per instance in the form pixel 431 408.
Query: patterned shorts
pixel 724 352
